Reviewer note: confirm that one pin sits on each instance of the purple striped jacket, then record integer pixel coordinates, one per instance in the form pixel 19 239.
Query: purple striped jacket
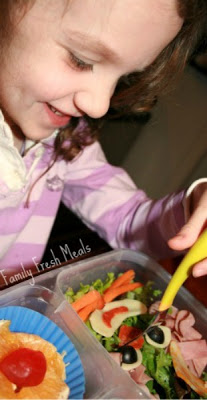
pixel 103 196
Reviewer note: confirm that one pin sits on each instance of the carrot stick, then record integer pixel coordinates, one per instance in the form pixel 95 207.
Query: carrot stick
pixel 125 278
pixel 86 299
pixel 100 303
pixel 87 310
pixel 115 292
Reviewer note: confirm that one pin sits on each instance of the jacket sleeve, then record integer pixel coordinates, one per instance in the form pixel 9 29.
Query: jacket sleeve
pixel 107 201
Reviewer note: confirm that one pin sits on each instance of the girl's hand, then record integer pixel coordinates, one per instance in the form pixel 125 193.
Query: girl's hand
pixel 189 233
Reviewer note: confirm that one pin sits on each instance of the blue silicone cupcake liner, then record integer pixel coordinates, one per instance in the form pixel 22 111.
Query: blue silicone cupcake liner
pixel 29 321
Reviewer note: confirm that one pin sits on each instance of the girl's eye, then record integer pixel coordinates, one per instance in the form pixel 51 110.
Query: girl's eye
pixel 80 64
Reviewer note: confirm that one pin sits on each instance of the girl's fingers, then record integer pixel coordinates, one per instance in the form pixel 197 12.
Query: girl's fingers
pixel 184 239
pixel 200 268
pixel 189 233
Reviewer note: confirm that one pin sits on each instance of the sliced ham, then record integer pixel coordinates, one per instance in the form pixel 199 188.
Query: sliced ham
pixel 154 307
pixel 186 329
pixel 170 323
pixel 191 367
pixel 181 316
pixel 191 344
pixel 193 349
pixel 190 334
pixel 139 376
pixel 199 365
pixel 184 326
pixel 175 336
pixel 173 312
pixel 184 373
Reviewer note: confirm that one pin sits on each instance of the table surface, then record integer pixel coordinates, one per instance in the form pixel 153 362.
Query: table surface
pixel 69 231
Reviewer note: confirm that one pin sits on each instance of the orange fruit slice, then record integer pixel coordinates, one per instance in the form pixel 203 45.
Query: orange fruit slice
pixel 52 386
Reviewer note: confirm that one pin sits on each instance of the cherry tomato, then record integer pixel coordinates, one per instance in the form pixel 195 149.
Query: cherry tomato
pixel 126 333
pixel 108 315
pixel 24 367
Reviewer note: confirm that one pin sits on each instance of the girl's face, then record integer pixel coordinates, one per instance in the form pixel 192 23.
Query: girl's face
pixel 65 58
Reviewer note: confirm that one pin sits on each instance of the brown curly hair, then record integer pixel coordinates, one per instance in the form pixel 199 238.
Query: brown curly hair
pixel 137 92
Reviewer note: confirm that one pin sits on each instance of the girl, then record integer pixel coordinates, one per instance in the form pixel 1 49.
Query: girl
pixel 65 63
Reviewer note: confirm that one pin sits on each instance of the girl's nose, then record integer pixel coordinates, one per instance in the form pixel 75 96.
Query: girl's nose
pixel 94 101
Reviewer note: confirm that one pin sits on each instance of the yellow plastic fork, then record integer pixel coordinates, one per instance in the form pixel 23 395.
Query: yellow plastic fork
pixel 196 253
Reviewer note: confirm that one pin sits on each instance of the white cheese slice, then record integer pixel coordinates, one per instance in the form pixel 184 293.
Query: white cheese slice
pixel 129 367
pixel 135 307
pixel 167 337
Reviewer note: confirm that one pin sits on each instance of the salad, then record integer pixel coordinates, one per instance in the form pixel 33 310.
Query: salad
pixel 168 360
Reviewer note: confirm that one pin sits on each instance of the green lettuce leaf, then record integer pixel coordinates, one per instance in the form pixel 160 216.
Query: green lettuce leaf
pixel 98 285
pixel 112 342
pixel 159 367
pixel 147 294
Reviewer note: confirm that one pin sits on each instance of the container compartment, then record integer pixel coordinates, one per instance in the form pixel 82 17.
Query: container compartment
pixel 102 375
pixel 146 269
pixel 104 378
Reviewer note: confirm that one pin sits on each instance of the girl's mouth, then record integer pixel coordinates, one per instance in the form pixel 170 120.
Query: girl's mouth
pixel 57 112
pixel 57 117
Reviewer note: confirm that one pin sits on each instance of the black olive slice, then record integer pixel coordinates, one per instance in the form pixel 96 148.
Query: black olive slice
pixel 156 334
pixel 129 354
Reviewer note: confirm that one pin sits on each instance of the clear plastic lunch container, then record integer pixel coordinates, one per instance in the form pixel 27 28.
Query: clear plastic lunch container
pixel 146 269
pixel 104 379
pixel 45 294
